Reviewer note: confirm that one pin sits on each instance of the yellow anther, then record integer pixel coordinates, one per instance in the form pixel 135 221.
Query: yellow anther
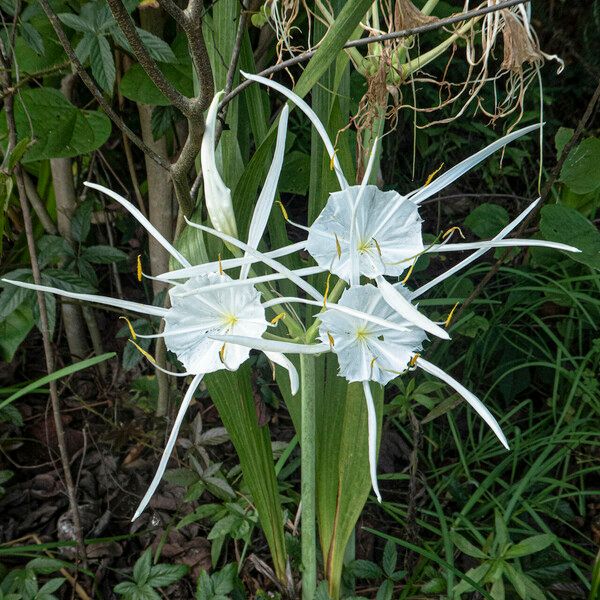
pixel 326 290
pixel 144 352
pixel 451 231
pixel 131 330
pixel 413 361
pixel 277 318
pixel 410 270
pixel 447 321
pixel 222 353
pixel 377 246
pixel 220 265
pixel 430 178
pixel 139 267
pixel 331 340
pixel 283 211
pixel 338 248
pixel 332 160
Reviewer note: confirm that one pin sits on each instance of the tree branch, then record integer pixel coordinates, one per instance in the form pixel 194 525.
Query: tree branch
pixel 93 88
pixel 174 10
pixel 127 26
pixel 434 25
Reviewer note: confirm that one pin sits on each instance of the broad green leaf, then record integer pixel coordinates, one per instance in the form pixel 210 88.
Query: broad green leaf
pixel 295 174
pixel 497 589
pixel 234 399
pixel 142 567
pixel 59 129
pixel 205 588
pixel 487 220
pixel 33 38
pixel 580 171
pixel 385 591
pixel 466 547
pixel 163 575
pixel 102 63
pixel 137 86
pixel 46 566
pixel 390 557
pixel 517 580
pixel 501 530
pixel 84 47
pixel 476 574
pixel 365 569
pixel 13 330
pixel 563 224
pixel 77 23
pixel 51 586
pixel 103 255
pixel 563 135
pixel 158 49
pixel 17 152
pixel 530 545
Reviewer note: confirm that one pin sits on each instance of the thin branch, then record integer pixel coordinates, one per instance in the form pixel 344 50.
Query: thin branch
pixel 174 10
pixel 434 25
pixel 127 26
pixel 94 90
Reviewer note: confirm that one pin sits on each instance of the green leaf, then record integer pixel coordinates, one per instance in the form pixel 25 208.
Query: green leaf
pixel 158 49
pixel 563 135
pixel 82 220
pixel 517 580
pixel 530 545
pixel 390 557
pixel 204 591
pixel 224 580
pixel 476 574
pixel 45 566
pixel 202 512
pixel 17 152
pixel 102 63
pixel 365 569
pixel 466 547
pixel 59 129
pixel 163 575
pixel 501 530
pixel 487 220
pixel 138 87
pixel 321 592
pixel 385 591
pixel 223 527
pixel 76 22
pixel 84 47
pixel 13 330
pixel 127 588
pixel 497 589
pixel 103 255
pixel 142 567
pixel 295 174
pixel 33 38
pixel 563 224
pixel 51 586
pixel 580 171
pixel 163 120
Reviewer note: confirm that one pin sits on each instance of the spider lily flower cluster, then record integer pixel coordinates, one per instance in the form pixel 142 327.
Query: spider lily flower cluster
pixel 363 236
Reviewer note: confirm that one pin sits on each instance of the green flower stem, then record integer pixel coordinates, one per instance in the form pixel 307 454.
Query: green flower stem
pixel 308 486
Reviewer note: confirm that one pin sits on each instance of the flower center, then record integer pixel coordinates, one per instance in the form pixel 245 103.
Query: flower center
pixel 362 333
pixel 229 319
pixel 364 246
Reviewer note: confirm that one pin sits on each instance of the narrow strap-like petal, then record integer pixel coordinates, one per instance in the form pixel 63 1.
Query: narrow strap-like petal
pixel 277 266
pixel 162 465
pixel 372 432
pixel 501 244
pixel 283 361
pixel 216 194
pixel 143 309
pixel 267 194
pixel 406 310
pixel 157 235
pixel 462 167
pixel 477 404
pixel 229 263
pixel 310 113
pixel 270 345
pixel 473 257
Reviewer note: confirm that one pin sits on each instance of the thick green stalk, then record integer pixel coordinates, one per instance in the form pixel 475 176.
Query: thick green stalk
pixel 308 487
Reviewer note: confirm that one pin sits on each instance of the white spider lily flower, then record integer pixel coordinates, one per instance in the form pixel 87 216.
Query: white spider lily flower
pixel 368 351
pixel 216 194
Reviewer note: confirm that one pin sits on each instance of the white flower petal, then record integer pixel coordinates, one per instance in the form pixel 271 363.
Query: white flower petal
pixel 310 113
pixel 143 309
pixel 372 428
pixel 467 261
pixel 162 465
pixel 462 167
pixel 267 194
pixel 143 221
pixel 406 310
pixel 501 244
pixel 283 361
pixel 271 345
pixel 479 407
pixel 277 266
pixel 216 193
pixel 229 263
